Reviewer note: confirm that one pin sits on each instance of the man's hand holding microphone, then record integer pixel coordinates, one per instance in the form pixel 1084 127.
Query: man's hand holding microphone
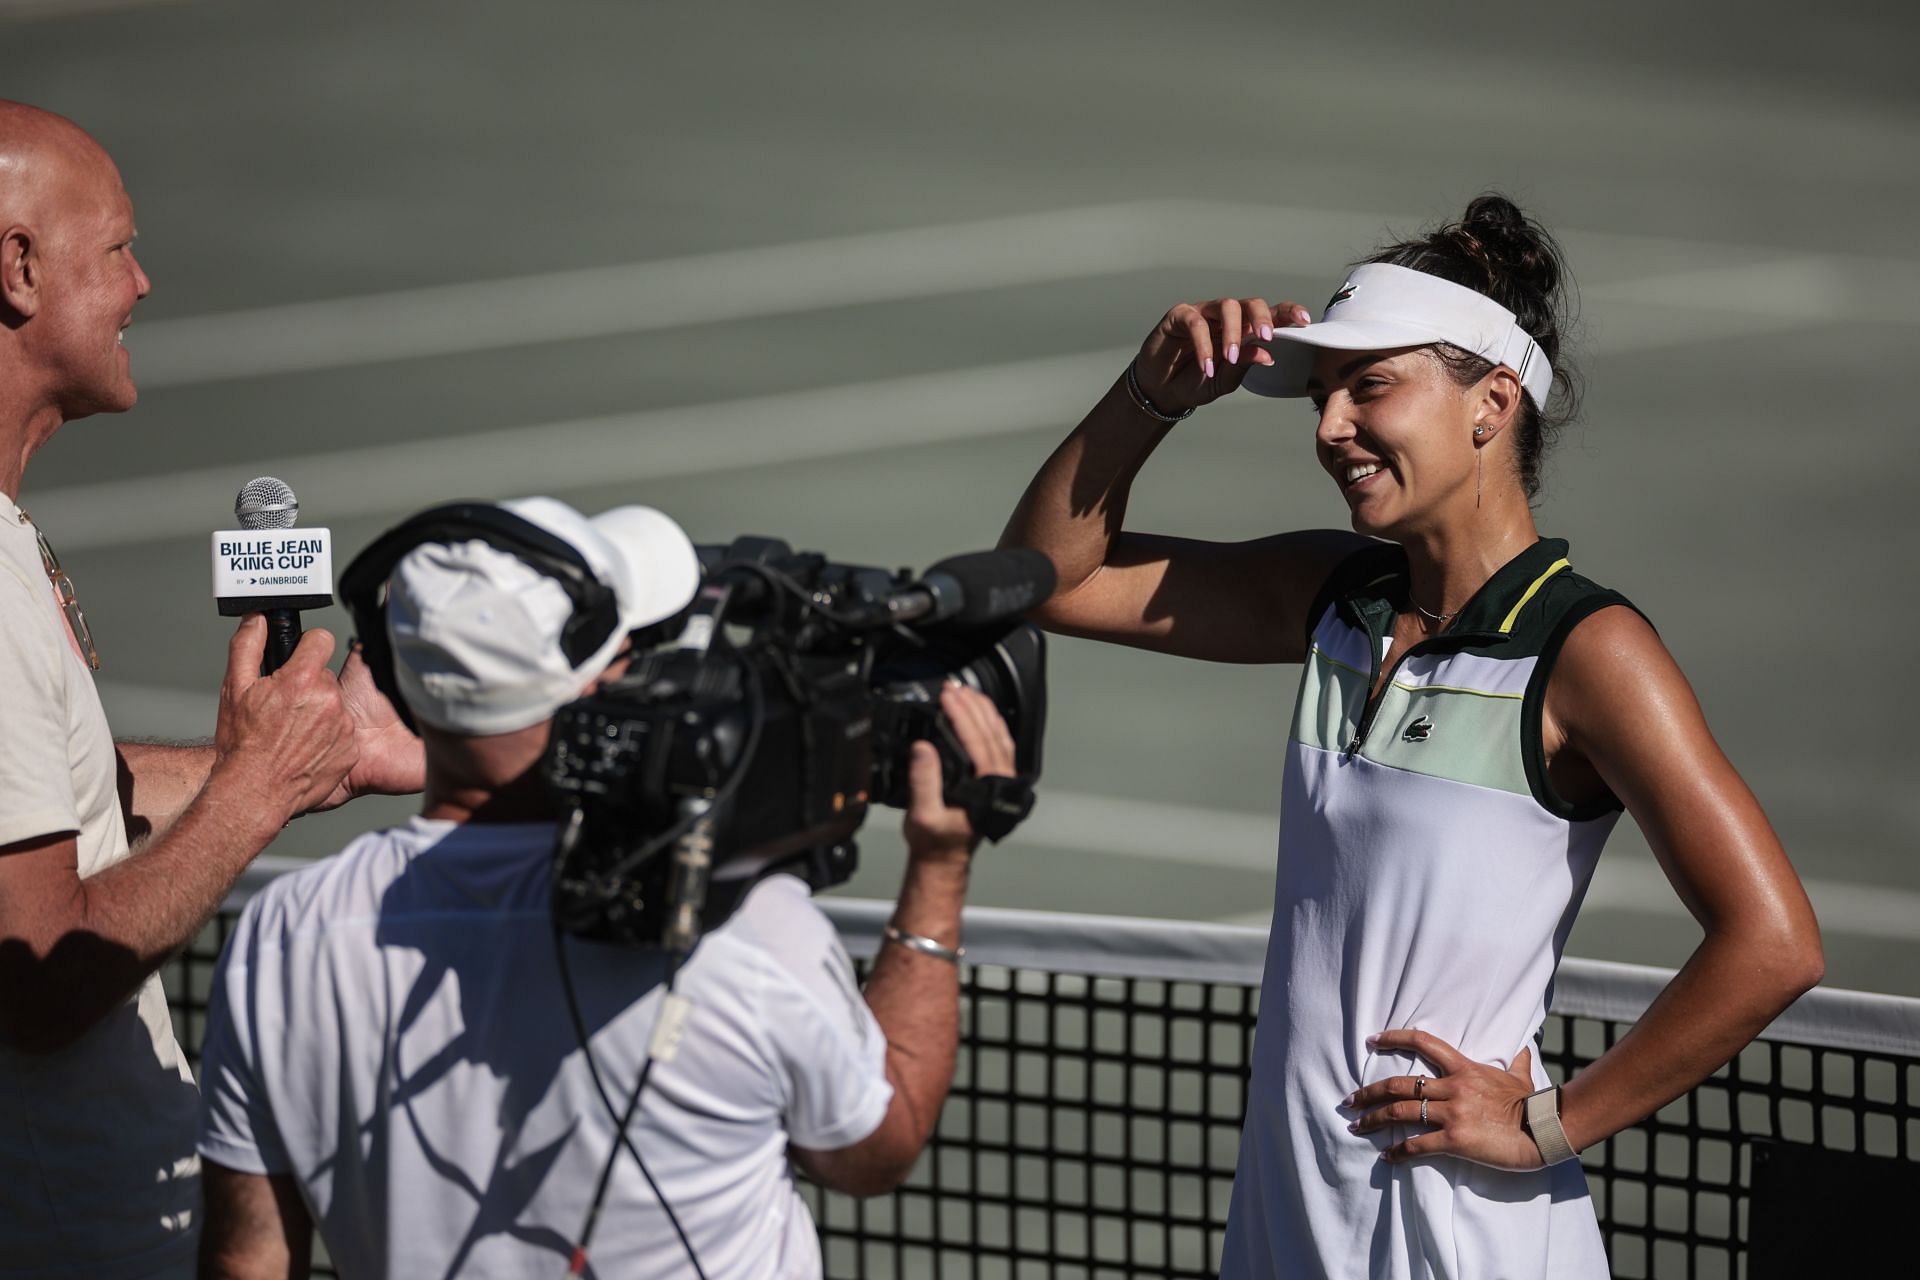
pixel 291 736
pixel 284 743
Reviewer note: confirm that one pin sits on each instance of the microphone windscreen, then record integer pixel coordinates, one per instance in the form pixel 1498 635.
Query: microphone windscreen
pixel 266 503
pixel 995 585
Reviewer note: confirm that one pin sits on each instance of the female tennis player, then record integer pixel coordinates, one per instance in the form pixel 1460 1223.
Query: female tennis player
pixel 1472 717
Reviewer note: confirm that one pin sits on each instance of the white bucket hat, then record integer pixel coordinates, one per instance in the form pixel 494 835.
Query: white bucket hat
pixel 476 631
pixel 1380 307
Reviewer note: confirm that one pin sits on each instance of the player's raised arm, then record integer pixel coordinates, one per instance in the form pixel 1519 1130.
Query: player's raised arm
pixel 1221 601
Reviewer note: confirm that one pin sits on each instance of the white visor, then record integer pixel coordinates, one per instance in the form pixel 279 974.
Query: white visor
pixel 1381 307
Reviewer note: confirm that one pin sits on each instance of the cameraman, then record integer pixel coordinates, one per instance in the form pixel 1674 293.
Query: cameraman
pixel 389 1051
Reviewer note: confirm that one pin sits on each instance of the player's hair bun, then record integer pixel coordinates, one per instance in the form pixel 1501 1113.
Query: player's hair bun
pixel 1496 249
pixel 1518 256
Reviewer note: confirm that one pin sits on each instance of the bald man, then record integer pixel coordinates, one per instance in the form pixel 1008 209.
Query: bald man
pixel 98 1176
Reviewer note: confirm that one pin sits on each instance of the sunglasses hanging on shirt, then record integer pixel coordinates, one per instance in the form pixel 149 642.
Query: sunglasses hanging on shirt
pixel 69 600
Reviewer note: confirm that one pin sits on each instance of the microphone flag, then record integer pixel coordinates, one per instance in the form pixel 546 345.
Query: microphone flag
pixel 259 569
pixel 267 564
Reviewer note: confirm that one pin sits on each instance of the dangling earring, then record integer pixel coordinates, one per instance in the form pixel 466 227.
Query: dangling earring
pixel 1479 456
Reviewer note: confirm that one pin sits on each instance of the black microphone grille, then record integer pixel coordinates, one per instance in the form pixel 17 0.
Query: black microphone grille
pixel 266 503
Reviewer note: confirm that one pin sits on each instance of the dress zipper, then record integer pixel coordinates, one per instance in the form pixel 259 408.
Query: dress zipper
pixel 1374 636
pixel 1454 639
pixel 1375 699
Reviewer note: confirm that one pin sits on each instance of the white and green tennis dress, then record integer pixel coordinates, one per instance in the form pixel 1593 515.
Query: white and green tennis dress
pixel 1428 877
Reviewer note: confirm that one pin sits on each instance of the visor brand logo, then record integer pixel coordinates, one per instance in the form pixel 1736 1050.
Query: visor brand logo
pixel 1346 291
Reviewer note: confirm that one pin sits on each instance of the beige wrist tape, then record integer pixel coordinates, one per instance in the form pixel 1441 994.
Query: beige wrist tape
pixel 1543 1126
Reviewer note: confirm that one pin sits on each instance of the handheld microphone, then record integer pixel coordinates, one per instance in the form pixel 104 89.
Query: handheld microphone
pixel 266 567
pixel 976 589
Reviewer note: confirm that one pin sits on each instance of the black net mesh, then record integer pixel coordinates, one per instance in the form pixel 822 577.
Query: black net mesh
pixel 1671 1192
pixel 1094 1123
pixel 1091 1131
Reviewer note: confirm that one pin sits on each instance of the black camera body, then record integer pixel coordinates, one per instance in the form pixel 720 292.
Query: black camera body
pixel 784 704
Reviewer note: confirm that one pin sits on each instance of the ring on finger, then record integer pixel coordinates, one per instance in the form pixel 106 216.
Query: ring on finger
pixel 1423 1111
pixel 1420 1088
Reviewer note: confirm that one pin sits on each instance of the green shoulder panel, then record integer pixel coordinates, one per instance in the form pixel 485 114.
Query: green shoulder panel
pixel 1472 736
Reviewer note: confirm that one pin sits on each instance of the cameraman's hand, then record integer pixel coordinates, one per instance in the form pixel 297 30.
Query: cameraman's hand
pixel 933 829
pixel 392 761
pixel 1200 351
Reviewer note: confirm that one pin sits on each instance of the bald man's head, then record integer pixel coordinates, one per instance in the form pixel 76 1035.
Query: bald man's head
pixel 44 157
pixel 68 278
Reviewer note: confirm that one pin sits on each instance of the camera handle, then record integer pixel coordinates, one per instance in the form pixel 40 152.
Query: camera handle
pixel 687 883
pixel 995 804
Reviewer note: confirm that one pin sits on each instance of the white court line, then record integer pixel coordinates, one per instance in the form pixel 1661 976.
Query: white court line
pixel 1638 887
pixel 693 439
pixel 1184 834
pixel 718 436
pixel 615 449
pixel 732 286
pixel 1809 287
pixel 1187 835
pixel 29 10
pixel 748 285
pixel 1843 906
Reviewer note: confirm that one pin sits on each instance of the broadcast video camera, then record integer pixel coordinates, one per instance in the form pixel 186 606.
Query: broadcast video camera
pixel 767 719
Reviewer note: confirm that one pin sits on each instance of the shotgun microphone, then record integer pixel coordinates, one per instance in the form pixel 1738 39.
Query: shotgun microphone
pixel 976 589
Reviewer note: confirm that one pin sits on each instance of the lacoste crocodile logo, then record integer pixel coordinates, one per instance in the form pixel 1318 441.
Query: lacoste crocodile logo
pixel 1346 291
pixel 1419 731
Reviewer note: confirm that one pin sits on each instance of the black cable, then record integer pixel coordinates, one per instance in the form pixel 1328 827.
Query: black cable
pixel 756 715
pixel 808 602
pixel 621 1119
pixel 622 1139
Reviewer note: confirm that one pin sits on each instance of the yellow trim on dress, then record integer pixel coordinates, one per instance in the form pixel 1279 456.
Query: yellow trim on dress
pixel 1332 661
pixel 1541 581
pixel 1454 688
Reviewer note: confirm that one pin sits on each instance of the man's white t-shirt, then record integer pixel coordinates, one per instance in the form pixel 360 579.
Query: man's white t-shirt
pixel 389 1026
pixel 98 1176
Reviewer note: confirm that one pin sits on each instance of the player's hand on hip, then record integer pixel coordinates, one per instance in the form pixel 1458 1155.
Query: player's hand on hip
pixel 1200 351
pixel 1473 1109
pixel 933 827
pixel 286 739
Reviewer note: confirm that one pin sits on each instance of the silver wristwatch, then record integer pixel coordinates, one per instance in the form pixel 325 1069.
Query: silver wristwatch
pixel 1542 1123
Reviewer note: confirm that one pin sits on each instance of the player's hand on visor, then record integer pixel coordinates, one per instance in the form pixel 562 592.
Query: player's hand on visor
pixel 1201 350
pixel 934 828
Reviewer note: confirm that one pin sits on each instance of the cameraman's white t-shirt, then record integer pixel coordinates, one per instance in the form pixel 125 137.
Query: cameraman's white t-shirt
pixel 389 1026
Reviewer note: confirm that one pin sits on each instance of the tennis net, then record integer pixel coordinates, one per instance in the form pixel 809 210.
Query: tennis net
pixel 1094 1121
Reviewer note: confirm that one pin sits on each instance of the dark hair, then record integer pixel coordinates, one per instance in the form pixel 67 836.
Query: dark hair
pixel 1497 250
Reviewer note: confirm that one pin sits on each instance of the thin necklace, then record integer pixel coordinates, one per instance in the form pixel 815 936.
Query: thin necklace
pixel 1442 618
